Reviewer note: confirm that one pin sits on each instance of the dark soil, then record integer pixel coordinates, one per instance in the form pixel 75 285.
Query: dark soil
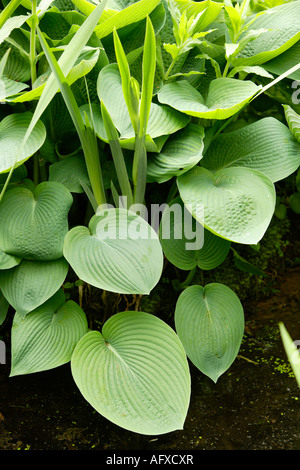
pixel 253 406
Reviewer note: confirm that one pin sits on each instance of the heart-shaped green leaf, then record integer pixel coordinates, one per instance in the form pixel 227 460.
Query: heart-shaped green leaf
pixel 135 373
pixel 187 244
pixel 100 254
pixel 31 283
pixel 180 153
pixel 236 203
pixel 226 96
pixel 210 324
pixel 47 336
pixel 34 224
pixel 12 131
pixel 266 145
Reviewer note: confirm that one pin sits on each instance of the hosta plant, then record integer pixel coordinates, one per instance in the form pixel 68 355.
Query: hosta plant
pixel 107 108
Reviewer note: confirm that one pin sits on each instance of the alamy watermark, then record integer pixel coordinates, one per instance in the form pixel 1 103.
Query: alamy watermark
pixel 296 93
pixel 138 222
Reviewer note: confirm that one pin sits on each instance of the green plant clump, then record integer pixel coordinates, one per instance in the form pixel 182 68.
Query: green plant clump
pixel 129 137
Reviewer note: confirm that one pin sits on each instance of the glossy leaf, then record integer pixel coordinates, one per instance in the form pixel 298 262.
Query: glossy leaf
pixel 134 373
pixel 47 336
pixel 210 324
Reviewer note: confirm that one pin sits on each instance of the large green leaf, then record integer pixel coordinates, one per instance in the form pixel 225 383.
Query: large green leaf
pixel 186 244
pixel 100 253
pixel 282 23
pixel 12 132
pixel 181 152
pixel 31 283
pixel 225 97
pixel 285 61
pixel 210 324
pixel 34 223
pixel 266 145
pixel 47 336
pixel 134 373
pixel 162 119
pixel 236 203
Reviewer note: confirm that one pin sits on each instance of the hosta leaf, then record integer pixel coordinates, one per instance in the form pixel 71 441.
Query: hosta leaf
pixel 186 244
pixel 236 203
pixel 11 24
pixel 8 261
pixel 225 97
pixel 70 172
pixel 162 119
pixel 283 25
pixel 12 131
pixel 134 373
pixel 31 283
pixel 266 145
pixel 10 87
pixel 210 324
pixel 293 120
pixel 47 336
pixel 34 224
pixel 17 67
pixel 285 61
pixel 179 154
pixel 99 254
pixel 4 307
